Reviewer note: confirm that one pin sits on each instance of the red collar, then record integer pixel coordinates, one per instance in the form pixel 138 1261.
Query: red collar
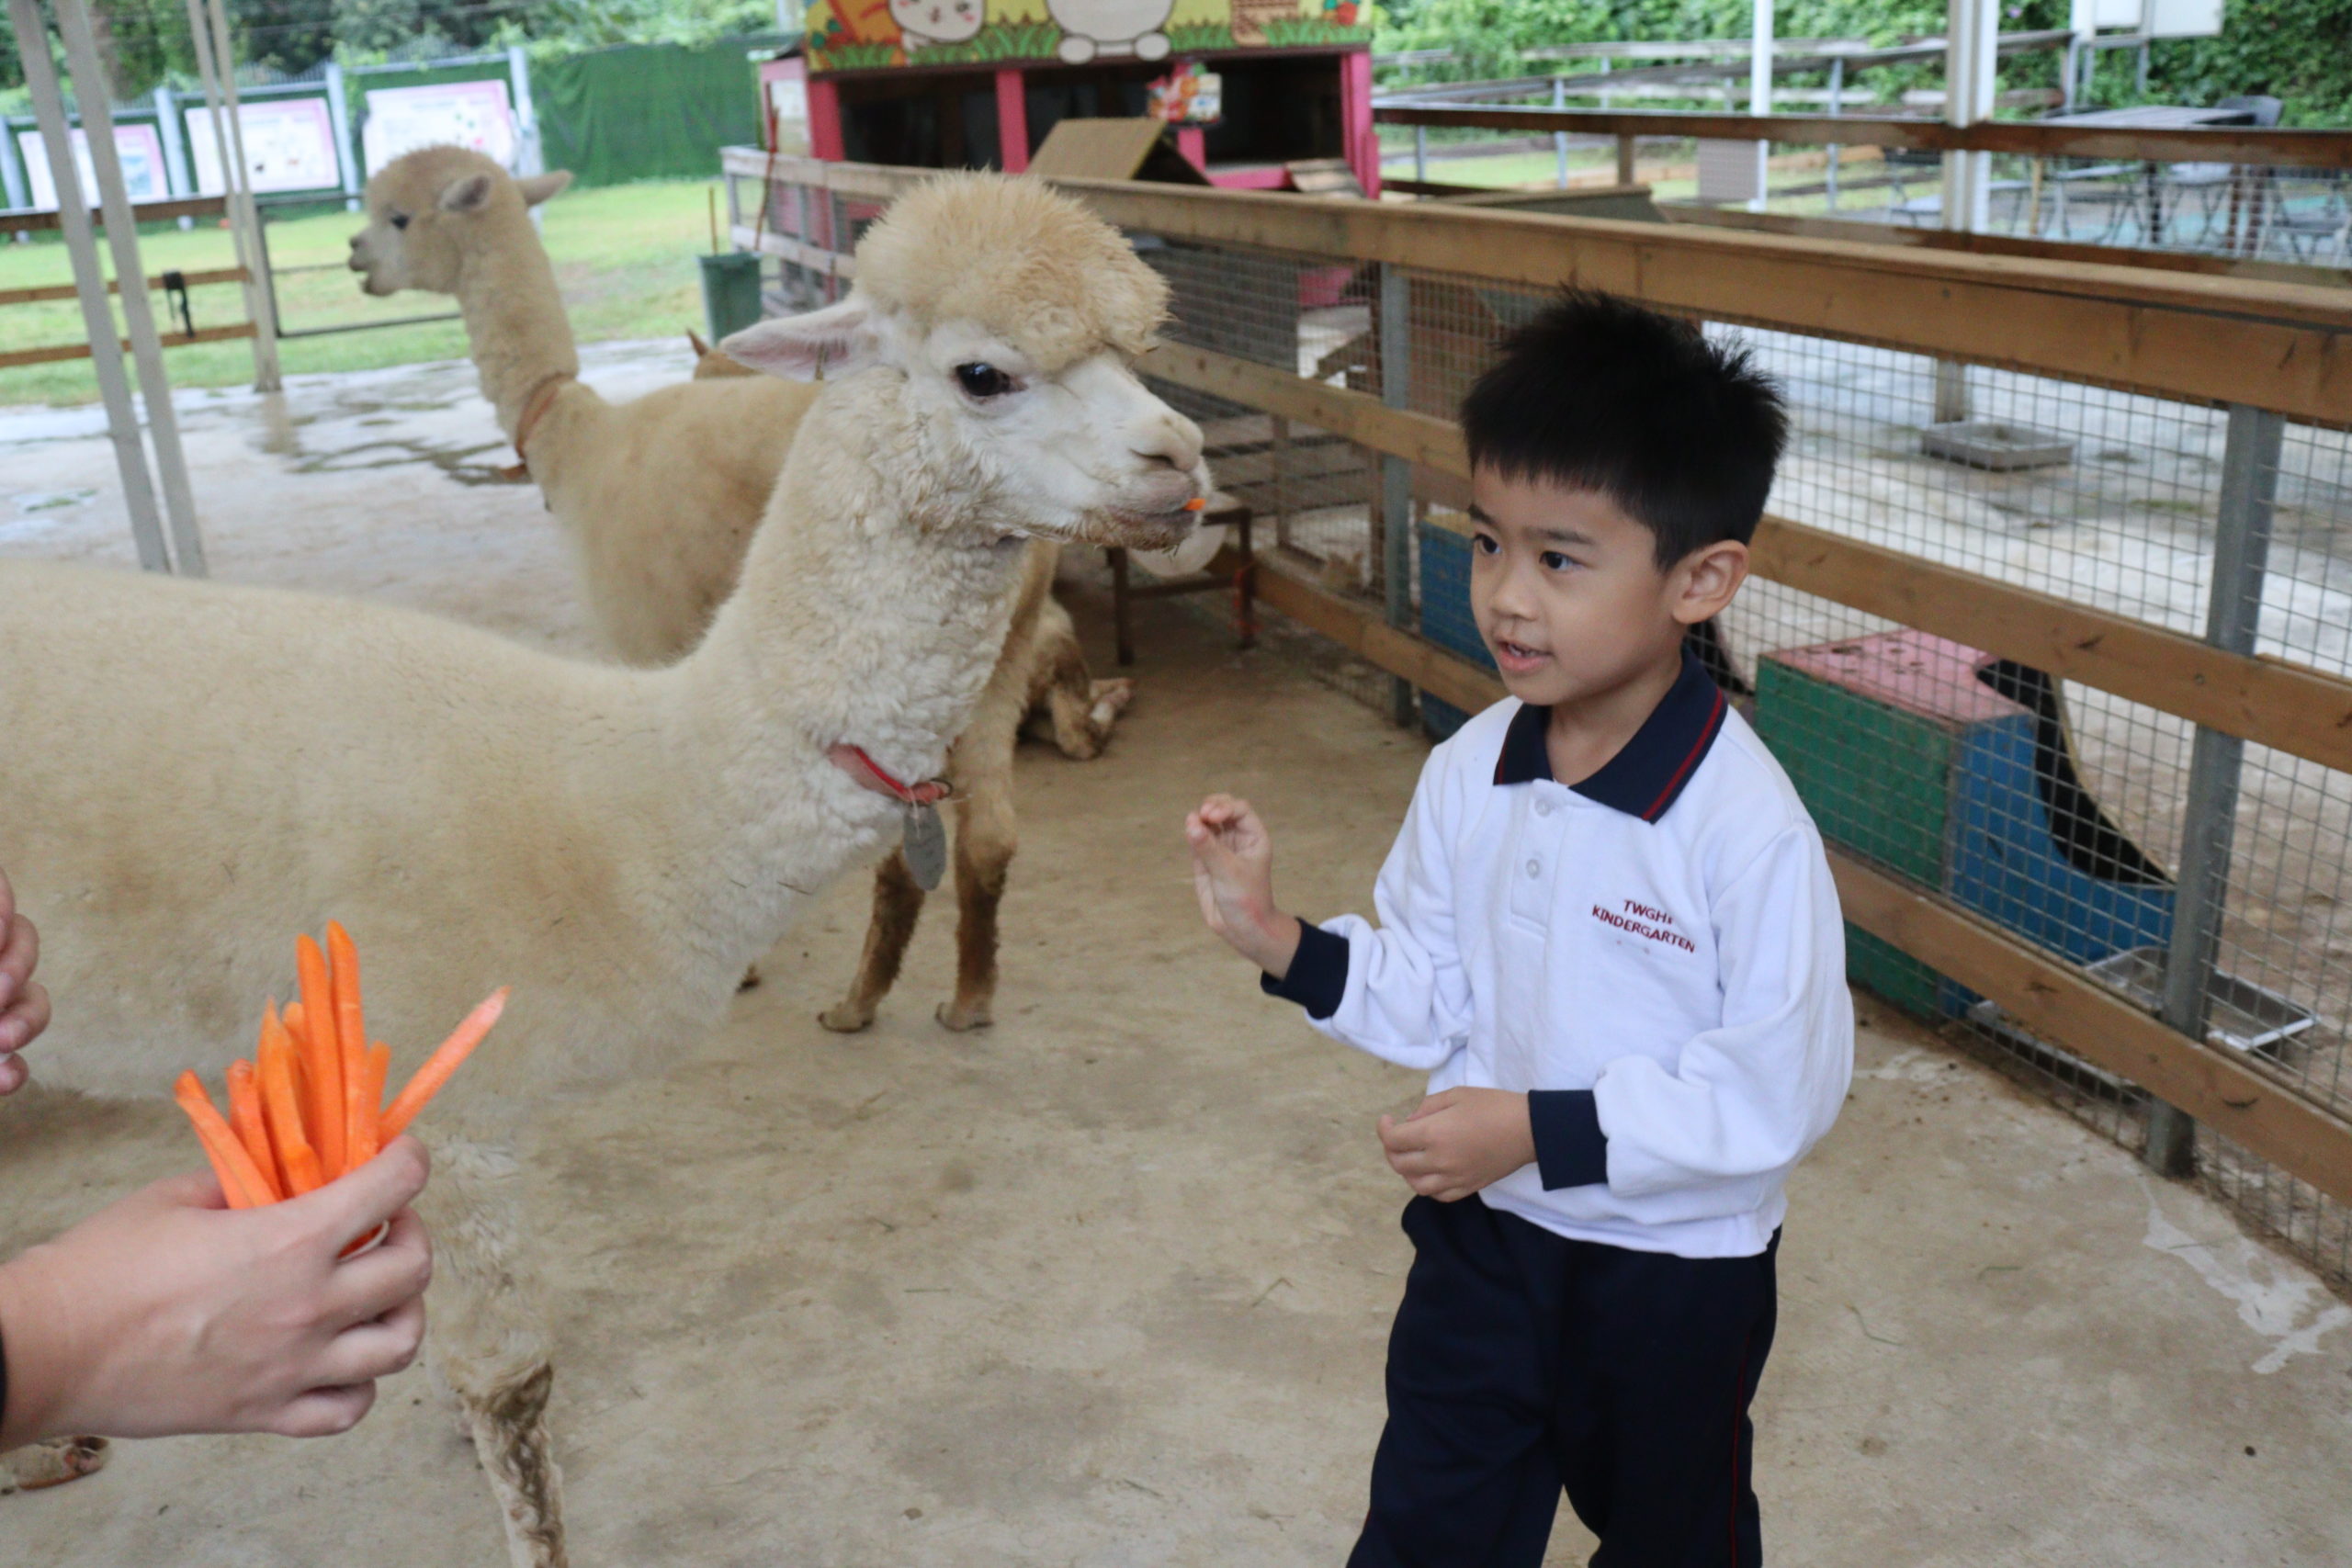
pixel 870 774
pixel 541 399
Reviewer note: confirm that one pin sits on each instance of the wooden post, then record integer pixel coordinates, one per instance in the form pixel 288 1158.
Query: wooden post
pixel 1358 135
pixel 1012 121
pixel 825 139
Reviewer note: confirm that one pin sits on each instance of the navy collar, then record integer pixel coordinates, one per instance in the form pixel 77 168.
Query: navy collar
pixel 1648 773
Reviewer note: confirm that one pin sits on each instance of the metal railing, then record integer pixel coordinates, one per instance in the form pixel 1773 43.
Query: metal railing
pixel 2052 619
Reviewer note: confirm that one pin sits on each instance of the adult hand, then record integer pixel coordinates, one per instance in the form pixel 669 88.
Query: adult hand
pixel 24 1005
pixel 168 1313
pixel 1459 1141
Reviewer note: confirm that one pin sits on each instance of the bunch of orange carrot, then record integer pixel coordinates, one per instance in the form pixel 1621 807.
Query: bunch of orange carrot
pixel 310 1106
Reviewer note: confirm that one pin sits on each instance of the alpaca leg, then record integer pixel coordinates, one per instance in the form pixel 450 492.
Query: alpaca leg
pixel 50 1463
pixel 1082 708
pixel 898 904
pixel 985 839
pixel 490 1346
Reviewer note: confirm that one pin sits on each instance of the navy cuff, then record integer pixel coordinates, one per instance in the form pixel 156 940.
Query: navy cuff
pixel 1317 978
pixel 1570 1148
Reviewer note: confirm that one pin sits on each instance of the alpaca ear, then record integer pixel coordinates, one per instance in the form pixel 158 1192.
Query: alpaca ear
pixel 831 342
pixel 537 188
pixel 468 195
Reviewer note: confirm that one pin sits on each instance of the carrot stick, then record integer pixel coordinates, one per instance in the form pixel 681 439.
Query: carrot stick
pixel 245 1121
pixel 240 1182
pixel 323 1111
pixel 379 1071
pixel 298 1163
pixel 442 1063
pixel 351 1036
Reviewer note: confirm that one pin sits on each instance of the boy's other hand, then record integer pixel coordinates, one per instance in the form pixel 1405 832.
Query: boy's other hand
pixel 24 1005
pixel 1459 1141
pixel 1232 873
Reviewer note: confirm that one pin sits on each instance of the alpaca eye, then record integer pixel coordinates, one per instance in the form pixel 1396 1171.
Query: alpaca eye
pixel 982 381
pixel 400 220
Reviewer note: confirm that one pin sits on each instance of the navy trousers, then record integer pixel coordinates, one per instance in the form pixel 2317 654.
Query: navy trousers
pixel 1523 1363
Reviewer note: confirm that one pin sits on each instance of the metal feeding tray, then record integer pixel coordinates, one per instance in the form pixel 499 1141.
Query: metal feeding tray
pixel 2239 1013
pixel 1988 444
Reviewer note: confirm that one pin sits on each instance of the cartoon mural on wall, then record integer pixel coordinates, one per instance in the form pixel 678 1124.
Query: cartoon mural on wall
pixel 865 35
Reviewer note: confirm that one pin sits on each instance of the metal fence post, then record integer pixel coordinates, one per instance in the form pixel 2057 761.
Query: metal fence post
pixel 1421 153
pixel 12 172
pixel 179 175
pixel 346 160
pixel 1560 138
pixel 531 156
pixel 1396 474
pixel 2234 617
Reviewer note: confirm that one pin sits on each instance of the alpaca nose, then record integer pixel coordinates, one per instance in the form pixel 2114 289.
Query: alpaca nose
pixel 1175 444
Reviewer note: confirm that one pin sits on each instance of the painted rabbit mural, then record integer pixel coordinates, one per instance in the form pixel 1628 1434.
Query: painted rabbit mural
pixel 924 23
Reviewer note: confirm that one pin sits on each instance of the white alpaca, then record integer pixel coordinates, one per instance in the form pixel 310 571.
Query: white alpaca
pixel 659 498
pixel 195 771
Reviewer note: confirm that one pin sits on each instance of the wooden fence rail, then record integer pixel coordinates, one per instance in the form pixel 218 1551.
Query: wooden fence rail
pixel 2039 139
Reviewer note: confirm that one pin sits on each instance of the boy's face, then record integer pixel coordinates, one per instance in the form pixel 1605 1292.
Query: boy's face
pixel 1569 594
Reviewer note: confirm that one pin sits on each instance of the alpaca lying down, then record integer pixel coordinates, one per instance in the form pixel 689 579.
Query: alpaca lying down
pixel 658 498
pixel 616 844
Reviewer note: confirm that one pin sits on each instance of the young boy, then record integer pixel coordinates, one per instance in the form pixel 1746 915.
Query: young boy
pixel 1609 929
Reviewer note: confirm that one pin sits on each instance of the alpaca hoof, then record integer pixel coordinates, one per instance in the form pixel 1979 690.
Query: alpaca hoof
pixel 750 980
pixel 52 1462
pixel 962 1019
pixel 846 1018
pixel 1111 697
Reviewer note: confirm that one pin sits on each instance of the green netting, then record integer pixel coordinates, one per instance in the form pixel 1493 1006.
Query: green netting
pixel 648 112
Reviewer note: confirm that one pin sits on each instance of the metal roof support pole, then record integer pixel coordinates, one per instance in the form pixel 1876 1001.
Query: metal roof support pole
pixel 90 284
pixel 130 273
pixel 217 62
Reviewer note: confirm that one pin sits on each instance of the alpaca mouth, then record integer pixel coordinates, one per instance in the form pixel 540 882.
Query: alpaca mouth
pixel 1144 530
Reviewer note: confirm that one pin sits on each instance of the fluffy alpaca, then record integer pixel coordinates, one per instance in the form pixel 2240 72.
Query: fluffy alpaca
pixel 197 770
pixel 658 496
pixel 1042 675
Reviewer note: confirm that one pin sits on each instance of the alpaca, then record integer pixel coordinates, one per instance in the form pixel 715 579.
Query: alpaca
pixel 659 543
pixel 659 496
pixel 196 770
pixel 1043 676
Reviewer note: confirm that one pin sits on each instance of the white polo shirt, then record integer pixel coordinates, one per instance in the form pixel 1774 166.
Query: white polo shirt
pixel 1656 952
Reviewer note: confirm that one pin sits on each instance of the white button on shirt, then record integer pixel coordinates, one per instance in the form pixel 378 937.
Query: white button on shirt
pixel 1671 942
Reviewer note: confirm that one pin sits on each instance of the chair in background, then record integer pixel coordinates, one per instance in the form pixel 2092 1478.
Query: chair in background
pixel 2215 192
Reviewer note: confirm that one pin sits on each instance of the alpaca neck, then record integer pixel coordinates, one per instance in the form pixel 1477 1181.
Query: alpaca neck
pixel 860 618
pixel 514 316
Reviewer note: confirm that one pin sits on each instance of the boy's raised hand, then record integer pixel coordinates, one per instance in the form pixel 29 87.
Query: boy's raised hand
pixel 24 1005
pixel 1458 1141
pixel 1232 873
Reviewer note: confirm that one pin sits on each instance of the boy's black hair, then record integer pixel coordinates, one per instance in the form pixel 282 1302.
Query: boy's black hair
pixel 1597 393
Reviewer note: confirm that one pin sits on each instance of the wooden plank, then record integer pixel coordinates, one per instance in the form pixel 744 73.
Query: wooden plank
pixel 2273 703
pixel 1992 244
pixel 62 352
pixel 1096 149
pixel 2210 340
pixel 114 285
pixel 2054 1001
pixel 2286 706
pixel 2042 138
pixel 767 241
pixel 145 212
pixel 2045 997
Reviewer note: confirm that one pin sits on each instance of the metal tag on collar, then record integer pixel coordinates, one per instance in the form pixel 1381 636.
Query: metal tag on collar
pixel 924 845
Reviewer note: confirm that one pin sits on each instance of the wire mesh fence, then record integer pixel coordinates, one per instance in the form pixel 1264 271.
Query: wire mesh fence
pixel 2062 813
pixel 2290 216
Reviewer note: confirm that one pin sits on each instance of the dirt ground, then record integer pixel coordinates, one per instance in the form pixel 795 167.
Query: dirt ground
pixel 1109 1284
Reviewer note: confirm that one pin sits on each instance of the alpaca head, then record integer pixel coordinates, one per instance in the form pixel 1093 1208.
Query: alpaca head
pixel 425 210
pixel 1003 320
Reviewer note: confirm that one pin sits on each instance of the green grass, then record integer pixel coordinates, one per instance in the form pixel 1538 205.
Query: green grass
pixel 624 259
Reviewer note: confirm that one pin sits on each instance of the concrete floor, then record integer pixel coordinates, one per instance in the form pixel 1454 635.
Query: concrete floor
pixel 1109 1284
